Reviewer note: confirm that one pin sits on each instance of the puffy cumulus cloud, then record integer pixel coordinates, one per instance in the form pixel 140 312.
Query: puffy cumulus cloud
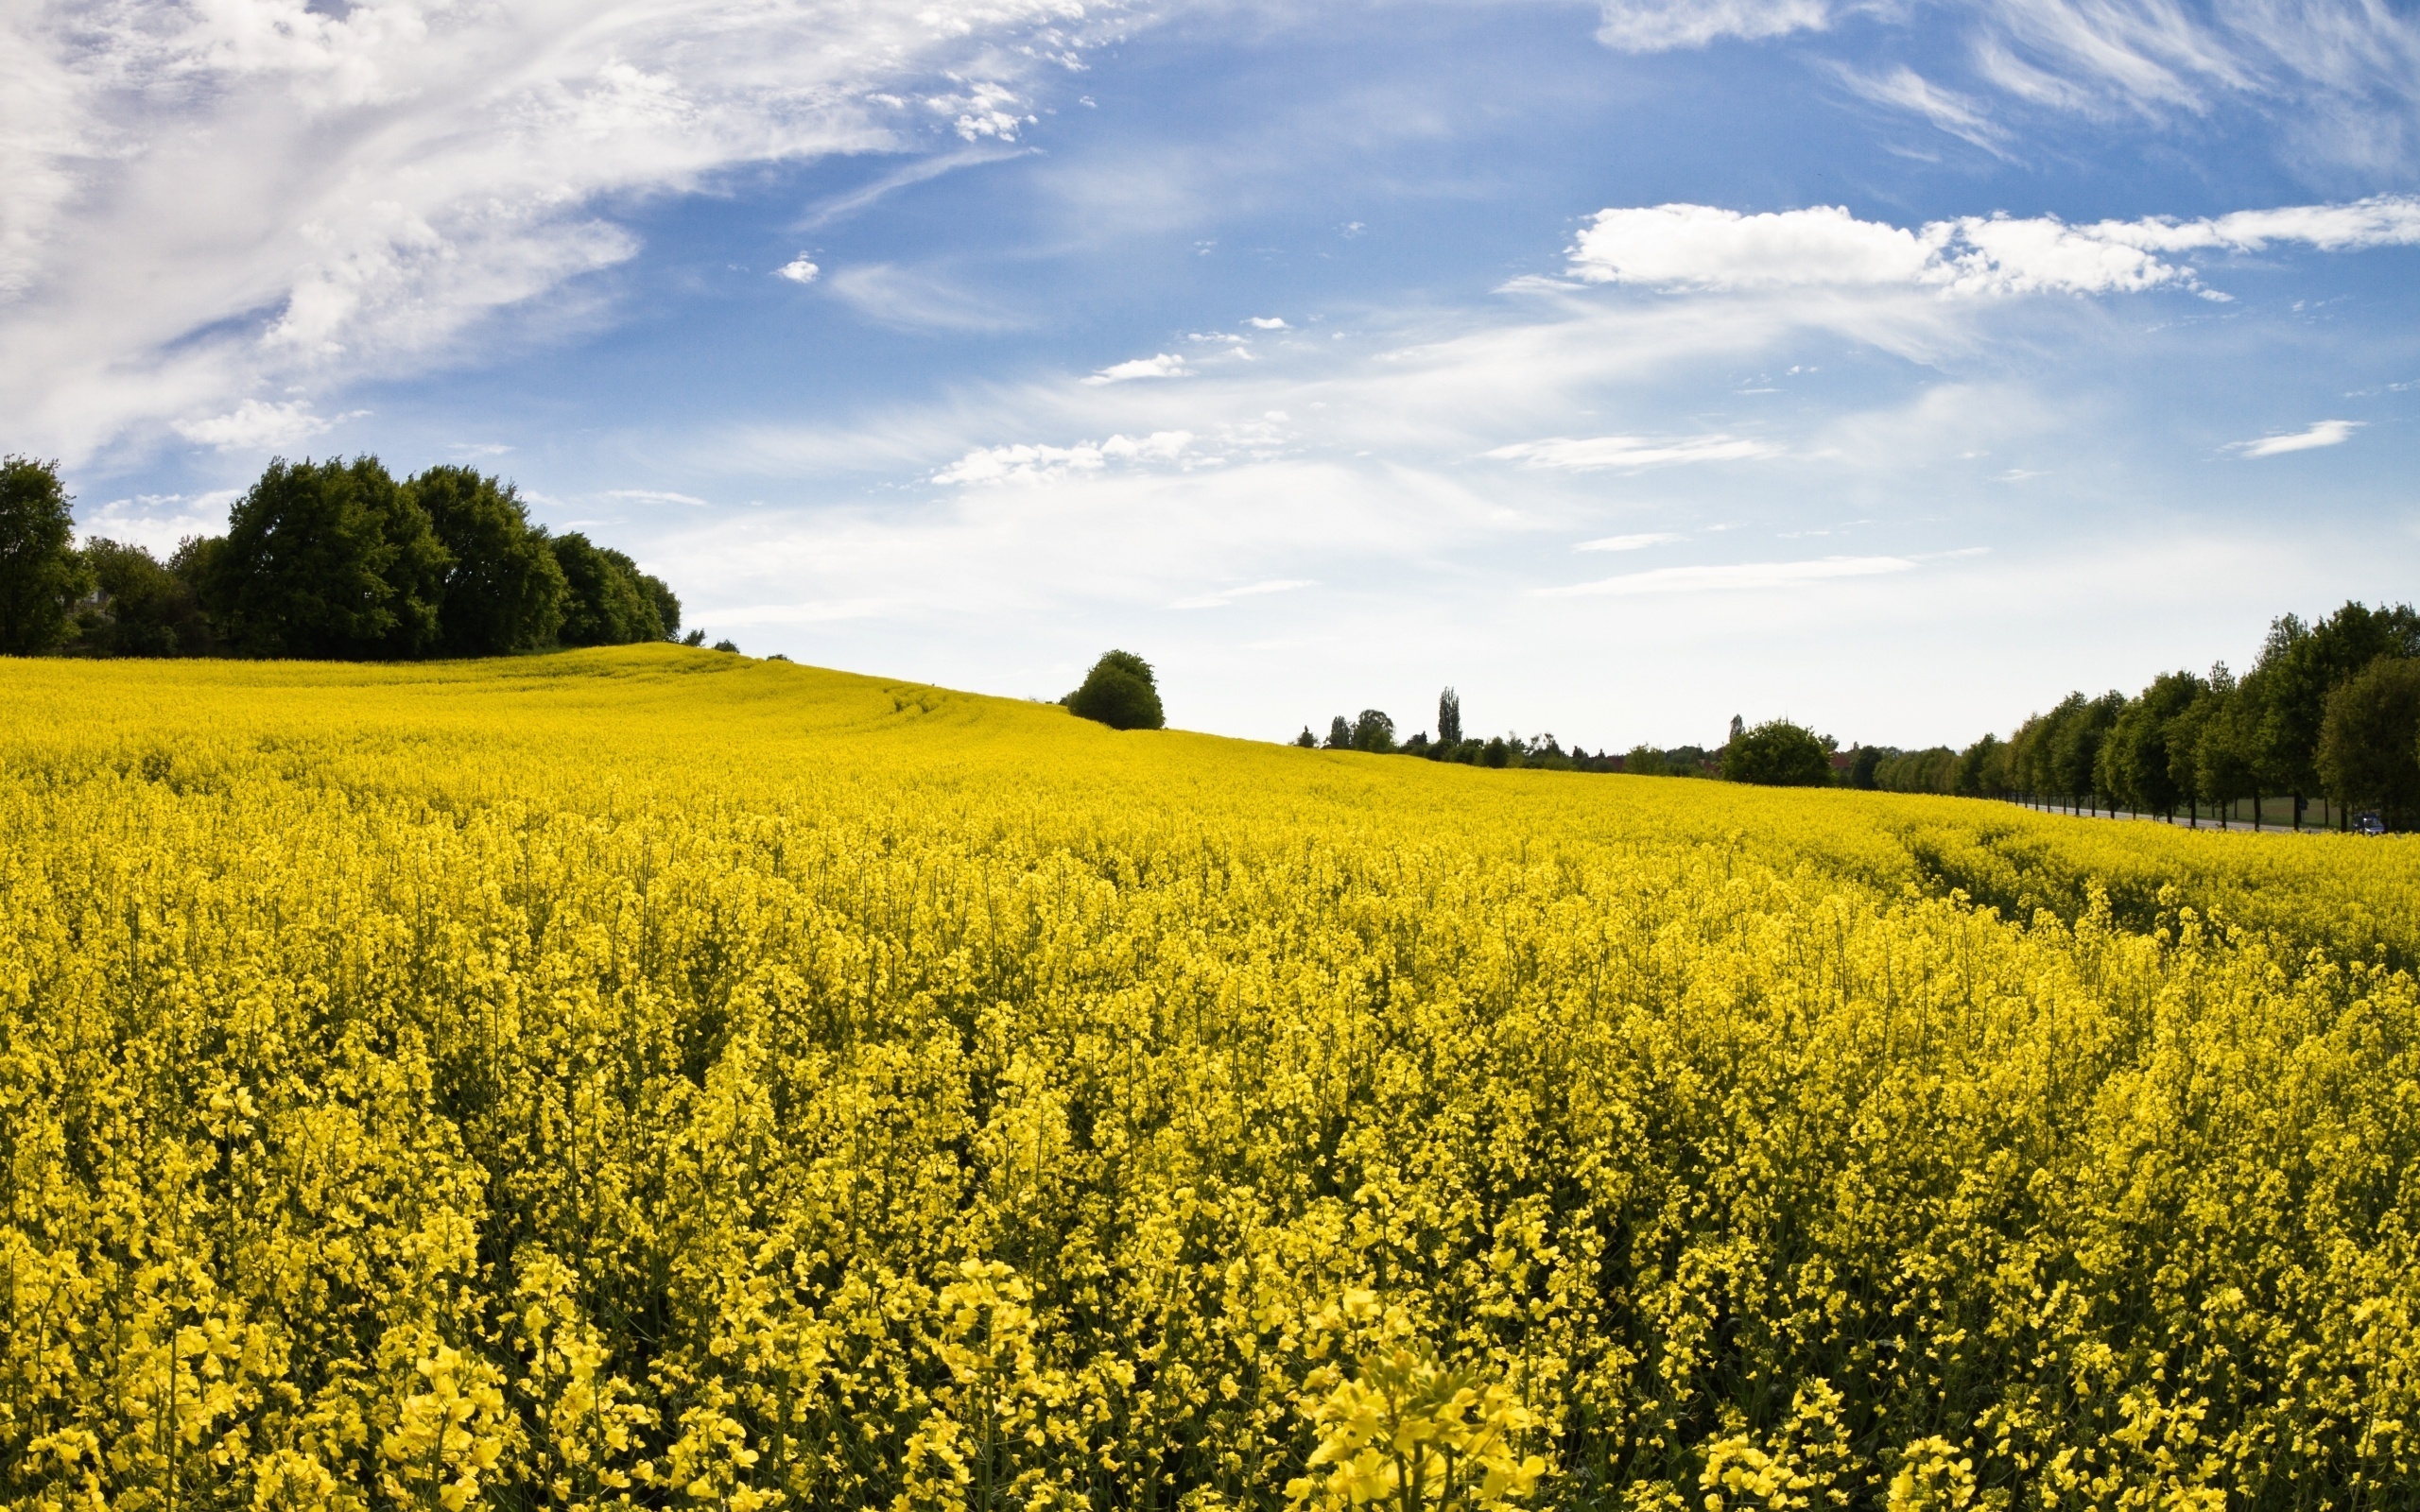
pixel 1167 365
pixel 798 269
pixel 158 521
pixel 1734 576
pixel 1023 463
pixel 2324 433
pixel 1702 246
pixel 205 200
pixel 1599 452
pixel 259 425
pixel 1660 25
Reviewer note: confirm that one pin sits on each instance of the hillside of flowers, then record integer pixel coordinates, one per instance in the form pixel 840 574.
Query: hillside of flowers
pixel 646 1077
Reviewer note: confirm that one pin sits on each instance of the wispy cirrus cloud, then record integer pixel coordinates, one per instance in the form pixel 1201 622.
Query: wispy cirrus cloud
pixel 1592 454
pixel 1226 596
pixel 202 201
pixel 1705 248
pixel 1734 578
pixel 2323 432
pixel 1637 542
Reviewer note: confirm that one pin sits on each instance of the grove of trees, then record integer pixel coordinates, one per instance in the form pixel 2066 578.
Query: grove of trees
pixel 333 560
pixel 2330 710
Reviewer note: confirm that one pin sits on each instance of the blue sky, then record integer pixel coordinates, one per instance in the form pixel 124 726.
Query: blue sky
pixel 1892 367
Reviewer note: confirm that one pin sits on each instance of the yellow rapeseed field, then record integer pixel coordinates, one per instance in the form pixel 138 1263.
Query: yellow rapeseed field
pixel 650 1076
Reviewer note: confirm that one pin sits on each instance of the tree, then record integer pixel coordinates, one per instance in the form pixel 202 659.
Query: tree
pixel 603 601
pixel 1339 734
pixel 1645 761
pixel 327 559
pixel 139 607
pixel 504 590
pixel 2301 667
pixel 2222 749
pixel 1777 754
pixel 1373 731
pixel 1119 692
pixel 1982 768
pixel 1449 718
pixel 2134 761
pixel 2075 754
pixel 1307 740
pixel 1862 770
pixel 40 573
pixel 2369 742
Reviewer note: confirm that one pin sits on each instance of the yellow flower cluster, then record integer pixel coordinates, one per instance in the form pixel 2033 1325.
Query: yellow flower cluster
pixel 649 1078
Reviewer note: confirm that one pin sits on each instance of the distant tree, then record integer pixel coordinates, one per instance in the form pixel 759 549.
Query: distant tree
pixel 727 645
pixel 603 601
pixel 1498 752
pixel 1119 692
pixel 504 590
pixel 1373 731
pixel 327 559
pixel 660 597
pixel 2134 764
pixel 2076 753
pixel 2223 746
pixel 1449 718
pixel 1645 761
pixel 2300 667
pixel 1307 740
pixel 694 638
pixel 1777 753
pixel 1862 770
pixel 1339 734
pixel 138 606
pixel 1738 726
pixel 41 576
pixel 1982 768
pixel 2369 743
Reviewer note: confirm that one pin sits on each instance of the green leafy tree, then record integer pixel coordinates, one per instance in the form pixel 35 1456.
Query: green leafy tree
pixel 1862 770
pixel 1307 740
pixel 1777 753
pixel 1645 761
pixel 41 576
pixel 504 590
pixel 1339 734
pixel 1373 731
pixel 327 559
pixel 1982 768
pixel 2134 761
pixel 1119 692
pixel 138 606
pixel 2225 748
pixel 603 601
pixel 1449 718
pixel 2076 755
pixel 2369 743
pixel 2301 666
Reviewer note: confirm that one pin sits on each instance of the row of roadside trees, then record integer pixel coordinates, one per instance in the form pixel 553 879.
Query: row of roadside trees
pixel 329 560
pixel 2330 709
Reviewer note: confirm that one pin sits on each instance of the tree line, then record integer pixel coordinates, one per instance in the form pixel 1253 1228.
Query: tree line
pixel 2330 710
pixel 337 560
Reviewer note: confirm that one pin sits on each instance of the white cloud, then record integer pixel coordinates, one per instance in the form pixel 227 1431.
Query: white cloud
pixel 1701 246
pixel 1041 464
pixel 917 300
pixel 157 522
pixel 258 425
pixel 1167 365
pixel 205 202
pixel 1660 25
pixel 2324 433
pixel 656 496
pixel 797 269
pixel 1228 595
pixel 1597 452
pixel 1735 578
pixel 1905 89
pixel 1638 542
pixel 1269 322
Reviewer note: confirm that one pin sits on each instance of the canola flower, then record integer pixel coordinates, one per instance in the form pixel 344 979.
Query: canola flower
pixel 648 1077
